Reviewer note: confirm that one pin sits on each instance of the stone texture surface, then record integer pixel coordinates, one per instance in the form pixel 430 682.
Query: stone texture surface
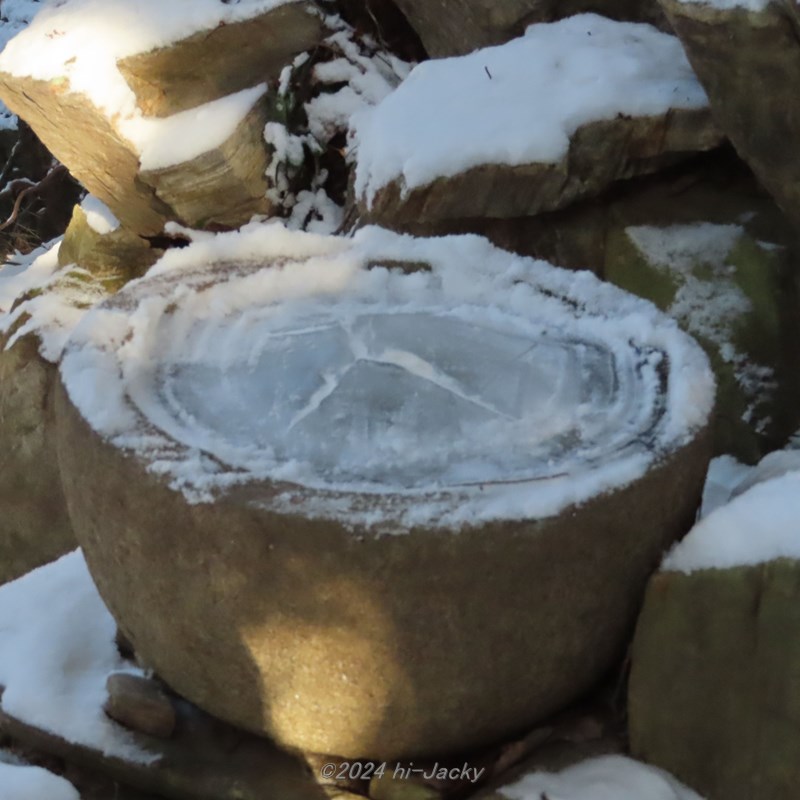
pixel 713 692
pixel 455 27
pixel 345 642
pixel 34 526
pixel 205 760
pixel 600 153
pixel 230 180
pixel 222 188
pixel 83 139
pixel 744 312
pixel 712 187
pixel 115 257
pixel 140 704
pixel 749 63
pixel 233 57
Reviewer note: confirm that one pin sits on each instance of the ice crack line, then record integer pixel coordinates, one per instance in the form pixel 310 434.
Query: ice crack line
pixel 402 359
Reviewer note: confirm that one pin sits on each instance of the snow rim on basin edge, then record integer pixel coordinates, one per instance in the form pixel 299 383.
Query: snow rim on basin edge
pixel 219 303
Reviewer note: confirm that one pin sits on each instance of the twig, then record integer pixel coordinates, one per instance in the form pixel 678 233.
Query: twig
pixel 10 160
pixel 35 189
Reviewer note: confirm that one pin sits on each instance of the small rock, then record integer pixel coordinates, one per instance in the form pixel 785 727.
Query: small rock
pixel 114 257
pixel 140 704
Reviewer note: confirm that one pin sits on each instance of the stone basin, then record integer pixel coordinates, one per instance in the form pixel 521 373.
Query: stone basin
pixel 374 509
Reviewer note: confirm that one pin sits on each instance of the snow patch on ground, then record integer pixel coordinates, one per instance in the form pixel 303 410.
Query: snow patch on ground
pixel 56 651
pixel 605 778
pixel 33 783
pixel 174 366
pixel 519 103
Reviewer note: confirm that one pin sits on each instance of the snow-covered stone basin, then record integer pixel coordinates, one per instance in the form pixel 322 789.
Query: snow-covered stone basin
pixel 241 430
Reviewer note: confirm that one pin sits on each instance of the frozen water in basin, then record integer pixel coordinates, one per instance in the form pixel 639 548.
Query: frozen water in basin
pixel 400 400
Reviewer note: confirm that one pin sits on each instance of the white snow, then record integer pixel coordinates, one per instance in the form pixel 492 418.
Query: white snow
pixel 78 42
pixel 33 783
pixel 57 298
pixel 680 248
pixel 56 652
pixel 519 387
pixel 605 778
pixel 99 216
pixel 728 478
pixel 164 142
pixel 771 466
pixel 519 103
pixel 16 15
pixel 757 526
pixel 708 301
pixel 368 77
pixel 24 273
pixel 358 75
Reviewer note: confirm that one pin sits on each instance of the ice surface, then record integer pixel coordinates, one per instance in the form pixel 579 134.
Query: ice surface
pixel 56 651
pixel 19 782
pixel 403 400
pixel 605 778
pixel 521 387
pixel 519 103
